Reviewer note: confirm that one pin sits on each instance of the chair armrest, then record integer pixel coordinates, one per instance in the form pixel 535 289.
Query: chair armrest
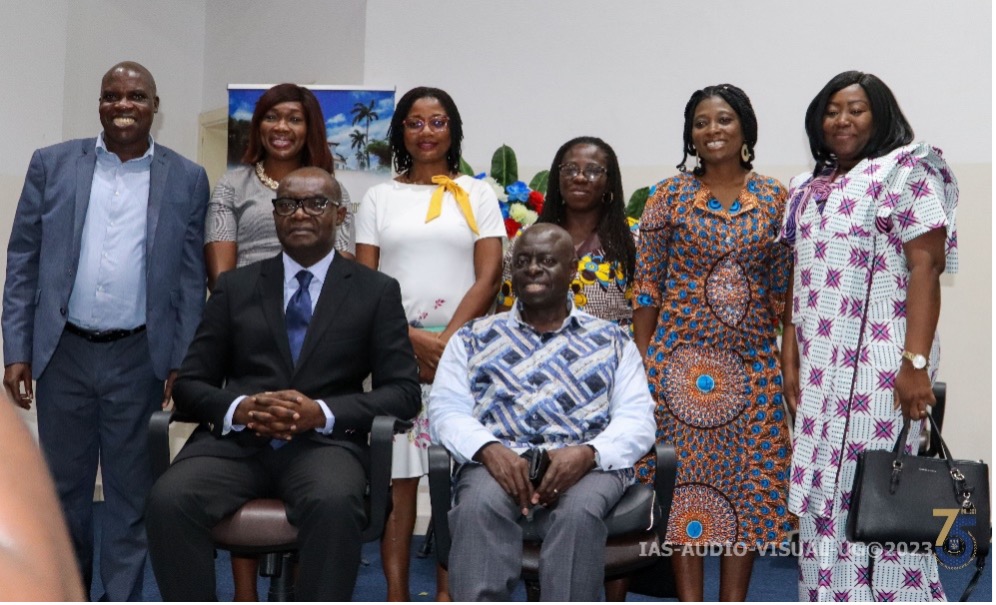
pixel 440 497
pixel 159 442
pixel 664 479
pixel 381 456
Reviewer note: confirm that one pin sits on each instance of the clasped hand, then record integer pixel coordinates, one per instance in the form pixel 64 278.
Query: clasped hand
pixel 428 348
pixel 279 414
pixel 567 466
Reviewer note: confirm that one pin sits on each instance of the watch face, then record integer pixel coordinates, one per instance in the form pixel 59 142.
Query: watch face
pixel 918 361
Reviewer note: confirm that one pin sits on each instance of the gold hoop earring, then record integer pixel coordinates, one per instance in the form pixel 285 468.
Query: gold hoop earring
pixel 745 153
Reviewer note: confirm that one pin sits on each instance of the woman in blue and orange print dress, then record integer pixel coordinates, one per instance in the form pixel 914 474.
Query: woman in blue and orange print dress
pixel 708 294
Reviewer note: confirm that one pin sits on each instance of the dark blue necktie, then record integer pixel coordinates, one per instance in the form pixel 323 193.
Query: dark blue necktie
pixel 299 314
pixel 297 318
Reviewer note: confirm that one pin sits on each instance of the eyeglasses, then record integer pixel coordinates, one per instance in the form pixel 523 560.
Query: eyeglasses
pixel 435 124
pixel 315 206
pixel 590 172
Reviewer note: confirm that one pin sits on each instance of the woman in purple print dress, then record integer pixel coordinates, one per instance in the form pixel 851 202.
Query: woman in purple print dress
pixel 872 228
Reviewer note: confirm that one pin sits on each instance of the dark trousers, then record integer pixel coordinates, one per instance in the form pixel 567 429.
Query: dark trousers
pixel 94 403
pixel 321 485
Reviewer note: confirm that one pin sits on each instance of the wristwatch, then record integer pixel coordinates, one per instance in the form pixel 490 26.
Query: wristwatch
pixel 918 361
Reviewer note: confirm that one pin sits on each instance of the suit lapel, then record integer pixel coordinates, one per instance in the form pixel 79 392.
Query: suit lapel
pixel 335 290
pixel 157 185
pixel 271 290
pixel 85 166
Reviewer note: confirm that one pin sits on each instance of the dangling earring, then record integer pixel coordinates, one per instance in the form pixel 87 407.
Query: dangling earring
pixel 745 153
pixel 698 164
pixel 608 201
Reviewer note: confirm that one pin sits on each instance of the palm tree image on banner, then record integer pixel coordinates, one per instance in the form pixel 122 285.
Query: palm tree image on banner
pixel 356 123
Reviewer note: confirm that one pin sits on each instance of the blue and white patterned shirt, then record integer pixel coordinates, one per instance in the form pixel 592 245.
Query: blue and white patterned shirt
pixel 501 380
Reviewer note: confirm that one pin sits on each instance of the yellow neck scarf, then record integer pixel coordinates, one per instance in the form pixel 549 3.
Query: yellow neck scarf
pixel 462 199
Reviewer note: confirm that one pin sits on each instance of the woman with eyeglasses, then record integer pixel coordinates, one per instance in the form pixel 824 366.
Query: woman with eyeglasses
pixel 439 234
pixel 287 132
pixel 709 291
pixel 585 197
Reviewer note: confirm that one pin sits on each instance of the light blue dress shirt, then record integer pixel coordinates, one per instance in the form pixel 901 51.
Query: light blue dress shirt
pixel 109 292
pixel 319 271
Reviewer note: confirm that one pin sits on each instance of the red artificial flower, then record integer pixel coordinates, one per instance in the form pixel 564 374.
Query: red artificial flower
pixel 511 227
pixel 535 201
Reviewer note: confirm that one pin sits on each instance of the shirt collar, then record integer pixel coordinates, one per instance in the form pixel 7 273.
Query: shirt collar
pixel 102 149
pixel 319 270
pixel 573 318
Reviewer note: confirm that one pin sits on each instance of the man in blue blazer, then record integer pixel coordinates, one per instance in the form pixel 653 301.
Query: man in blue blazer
pixel 104 290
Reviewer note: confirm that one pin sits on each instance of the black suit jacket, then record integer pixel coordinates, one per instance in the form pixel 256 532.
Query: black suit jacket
pixel 241 348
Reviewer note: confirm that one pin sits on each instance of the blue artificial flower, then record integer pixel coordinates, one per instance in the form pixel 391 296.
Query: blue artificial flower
pixel 481 176
pixel 517 191
pixel 504 209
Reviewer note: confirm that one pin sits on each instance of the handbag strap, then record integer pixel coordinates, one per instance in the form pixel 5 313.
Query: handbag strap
pixel 962 489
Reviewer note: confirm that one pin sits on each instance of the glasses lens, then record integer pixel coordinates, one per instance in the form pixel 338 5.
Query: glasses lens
pixel 284 206
pixel 315 205
pixel 593 171
pixel 438 124
pixel 415 125
pixel 569 171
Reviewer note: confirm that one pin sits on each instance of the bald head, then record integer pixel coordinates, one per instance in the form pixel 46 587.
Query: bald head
pixel 131 69
pixel 307 234
pixel 329 186
pixel 543 266
pixel 553 236
pixel 127 107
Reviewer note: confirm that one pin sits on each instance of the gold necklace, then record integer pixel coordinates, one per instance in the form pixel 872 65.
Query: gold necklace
pixel 266 180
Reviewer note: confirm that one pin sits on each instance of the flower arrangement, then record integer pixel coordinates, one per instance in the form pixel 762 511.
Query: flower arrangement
pixel 520 203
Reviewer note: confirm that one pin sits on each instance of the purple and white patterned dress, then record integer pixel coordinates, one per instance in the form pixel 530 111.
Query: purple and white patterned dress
pixel 859 230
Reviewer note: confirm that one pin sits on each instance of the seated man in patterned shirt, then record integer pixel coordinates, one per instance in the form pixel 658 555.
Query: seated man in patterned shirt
pixel 544 374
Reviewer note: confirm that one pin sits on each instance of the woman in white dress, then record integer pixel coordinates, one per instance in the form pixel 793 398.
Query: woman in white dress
pixel 440 235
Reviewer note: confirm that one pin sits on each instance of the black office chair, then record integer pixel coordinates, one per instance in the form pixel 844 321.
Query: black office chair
pixel 260 526
pixel 633 523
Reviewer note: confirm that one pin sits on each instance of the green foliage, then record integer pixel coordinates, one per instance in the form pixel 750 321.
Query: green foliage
pixel 637 201
pixel 540 181
pixel 465 168
pixel 380 149
pixel 504 167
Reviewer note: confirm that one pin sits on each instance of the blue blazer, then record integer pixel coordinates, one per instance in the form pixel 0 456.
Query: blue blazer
pixel 44 251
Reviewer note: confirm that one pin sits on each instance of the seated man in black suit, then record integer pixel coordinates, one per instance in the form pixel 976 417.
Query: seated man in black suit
pixel 274 376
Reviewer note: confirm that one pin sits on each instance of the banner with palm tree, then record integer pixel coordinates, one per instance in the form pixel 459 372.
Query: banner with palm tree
pixel 356 122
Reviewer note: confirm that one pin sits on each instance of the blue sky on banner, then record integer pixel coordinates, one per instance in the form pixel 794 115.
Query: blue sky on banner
pixel 338 107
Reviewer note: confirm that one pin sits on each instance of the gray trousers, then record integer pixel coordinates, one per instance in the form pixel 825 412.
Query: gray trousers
pixel 486 551
pixel 94 403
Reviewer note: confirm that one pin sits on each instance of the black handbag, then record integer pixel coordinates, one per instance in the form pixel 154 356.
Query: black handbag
pixel 922 505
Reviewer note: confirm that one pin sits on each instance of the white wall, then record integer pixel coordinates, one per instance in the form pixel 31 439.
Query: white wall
pixel 305 42
pixel 166 37
pixel 536 74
